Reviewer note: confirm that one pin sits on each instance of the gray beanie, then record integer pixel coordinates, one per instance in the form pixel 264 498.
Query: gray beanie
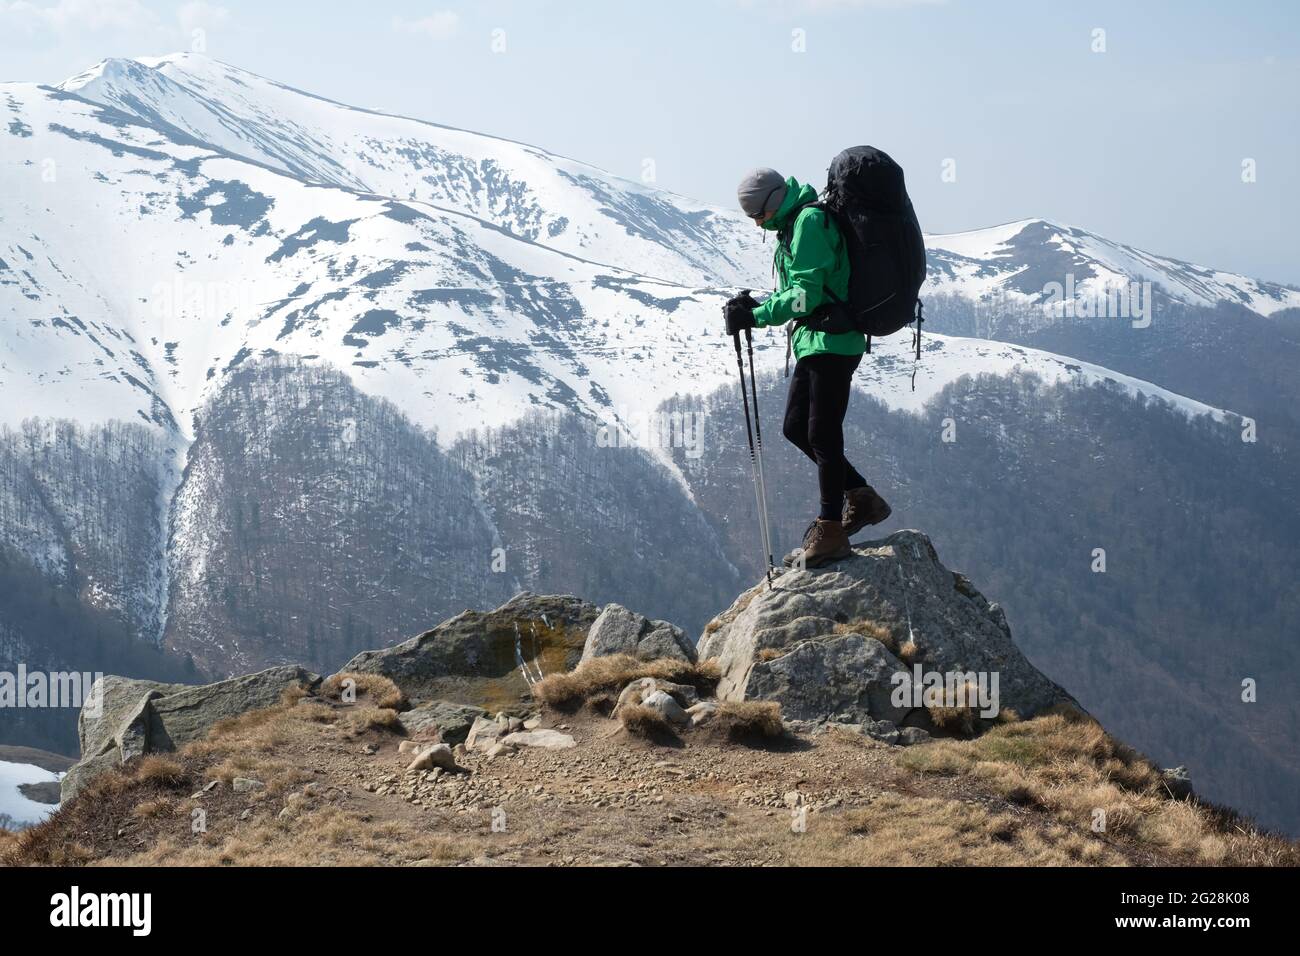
pixel 762 190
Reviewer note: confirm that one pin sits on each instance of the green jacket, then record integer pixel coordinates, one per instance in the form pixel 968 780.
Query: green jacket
pixel 814 261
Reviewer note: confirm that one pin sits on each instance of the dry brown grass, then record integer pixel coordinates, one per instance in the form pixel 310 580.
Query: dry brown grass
pixel 154 791
pixel 648 724
pixel 609 675
pixel 159 770
pixel 1064 763
pixel 771 653
pixel 871 629
pixel 909 653
pixel 747 720
pixel 960 718
pixel 82 830
pixel 321 836
pixel 903 830
pixel 373 689
pixel 157 807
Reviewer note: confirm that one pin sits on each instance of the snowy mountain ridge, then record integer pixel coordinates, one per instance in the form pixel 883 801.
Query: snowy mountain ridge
pixel 1027 261
pixel 447 271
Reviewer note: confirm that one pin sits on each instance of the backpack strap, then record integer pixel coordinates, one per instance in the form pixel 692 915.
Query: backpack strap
pixel 821 316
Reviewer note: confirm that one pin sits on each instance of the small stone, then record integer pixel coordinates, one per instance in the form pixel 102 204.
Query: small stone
pixel 702 712
pixel 206 790
pixel 247 785
pixel 666 706
pixel 439 755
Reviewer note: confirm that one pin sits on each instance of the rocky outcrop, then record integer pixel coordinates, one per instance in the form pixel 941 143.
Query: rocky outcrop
pixel 620 631
pixel 829 644
pixel 442 720
pixel 127 718
pixel 487 659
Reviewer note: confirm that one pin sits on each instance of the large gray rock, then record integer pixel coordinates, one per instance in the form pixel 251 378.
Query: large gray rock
pixel 126 718
pixel 546 739
pixel 487 731
pixel 796 644
pixel 187 715
pixel 620 631
pixel 847 676
pixel 113 701
pixel 476 656
pixel 448 721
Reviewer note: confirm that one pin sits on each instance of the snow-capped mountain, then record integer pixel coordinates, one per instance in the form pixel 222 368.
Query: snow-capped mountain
pixel 138 267
pixel 169 218
pixel 1043 263
pixel 564 205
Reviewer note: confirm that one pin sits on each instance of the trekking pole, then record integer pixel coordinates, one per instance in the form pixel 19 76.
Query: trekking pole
pixel 749 433
pixel 758 438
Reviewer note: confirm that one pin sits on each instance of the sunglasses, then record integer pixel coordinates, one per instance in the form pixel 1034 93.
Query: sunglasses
pixel 758 216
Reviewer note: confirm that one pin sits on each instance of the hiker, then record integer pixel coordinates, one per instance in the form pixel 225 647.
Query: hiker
pixel 812 272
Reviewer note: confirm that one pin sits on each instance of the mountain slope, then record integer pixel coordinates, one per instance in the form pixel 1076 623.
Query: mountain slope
pixel 534 195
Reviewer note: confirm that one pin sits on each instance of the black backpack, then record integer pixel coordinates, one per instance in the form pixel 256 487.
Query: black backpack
pixel 866 197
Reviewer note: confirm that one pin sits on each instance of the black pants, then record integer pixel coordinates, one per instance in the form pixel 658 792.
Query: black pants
pixel 814 423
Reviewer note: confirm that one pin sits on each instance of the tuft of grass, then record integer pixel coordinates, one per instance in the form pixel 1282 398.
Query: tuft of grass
pixel 373 689
pixel 707 674
pixel 148 809
pixel 871 629
pixel 158 770
pixel 602 703
pixel 609 675
pixel 355 723
pixel 747 720
pixel 961 719
pixel 641 721
pixel 771 653
pixel 909 653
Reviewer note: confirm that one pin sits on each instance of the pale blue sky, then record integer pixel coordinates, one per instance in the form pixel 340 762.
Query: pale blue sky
pixel 1142 143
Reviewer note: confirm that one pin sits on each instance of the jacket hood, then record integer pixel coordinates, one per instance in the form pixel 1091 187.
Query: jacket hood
pixel 796 194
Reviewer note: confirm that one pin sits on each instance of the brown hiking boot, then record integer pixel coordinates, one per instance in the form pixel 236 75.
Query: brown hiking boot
pixel 862 507
pixel 824 542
